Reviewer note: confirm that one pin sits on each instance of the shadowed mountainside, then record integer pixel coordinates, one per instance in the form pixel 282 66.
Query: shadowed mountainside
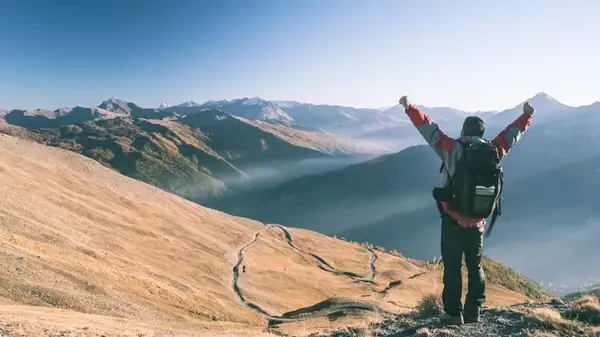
pixel 347 198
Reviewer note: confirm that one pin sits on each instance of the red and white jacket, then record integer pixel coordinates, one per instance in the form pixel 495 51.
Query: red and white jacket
pixel 450 151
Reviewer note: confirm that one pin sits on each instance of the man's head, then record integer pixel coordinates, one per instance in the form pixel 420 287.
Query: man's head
pixel 472 126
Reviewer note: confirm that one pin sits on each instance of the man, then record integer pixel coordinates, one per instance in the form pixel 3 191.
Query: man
pixel 462 234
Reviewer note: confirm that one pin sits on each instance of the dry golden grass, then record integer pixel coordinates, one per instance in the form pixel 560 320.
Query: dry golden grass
pixel 185 133
pixel 541 334
pixel 430 305
pixel 424 332
pixel 550 319
pixel 338 253
pixel 20 320
pixel 83 248
pixel 282 279
pixel 585 309
pixel 430 282
pixel 358 326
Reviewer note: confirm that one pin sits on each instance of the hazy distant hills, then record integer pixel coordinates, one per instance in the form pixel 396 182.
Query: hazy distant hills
pixel 552 109
pixel 387 177
pixel 343 199
pixel 111 108
pixel 253 109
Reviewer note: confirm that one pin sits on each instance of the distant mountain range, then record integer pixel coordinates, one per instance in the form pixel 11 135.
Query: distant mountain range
pixel 194 151
pixel 552 176
pixel 388 127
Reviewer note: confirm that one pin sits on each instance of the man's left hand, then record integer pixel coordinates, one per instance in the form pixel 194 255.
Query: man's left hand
pixel 404 102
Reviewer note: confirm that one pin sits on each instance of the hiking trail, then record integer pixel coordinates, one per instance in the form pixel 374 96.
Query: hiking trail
pixel 326 308
pixel 326 266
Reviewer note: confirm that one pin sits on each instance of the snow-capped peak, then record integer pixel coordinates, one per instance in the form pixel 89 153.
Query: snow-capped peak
pixel 163 105
pixel 252 101
pixel 216 103
pixel 543 96
pixel 253 108
pixel 114 104
pixel 544 101
pixel 114 100
pixel 189 104
pixel 286 104
pixel 63 111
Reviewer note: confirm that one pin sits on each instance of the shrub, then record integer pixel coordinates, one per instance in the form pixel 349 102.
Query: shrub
pixel 550 319
pixel 430 305
pixel 496 273
pixel 586 309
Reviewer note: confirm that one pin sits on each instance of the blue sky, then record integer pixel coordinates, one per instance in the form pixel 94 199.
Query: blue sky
pixel 466 54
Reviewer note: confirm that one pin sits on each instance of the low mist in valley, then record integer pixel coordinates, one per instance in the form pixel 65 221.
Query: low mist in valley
pixel 267 173
pixel 564 255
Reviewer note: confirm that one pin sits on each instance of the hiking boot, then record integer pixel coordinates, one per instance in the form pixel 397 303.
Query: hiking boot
pixel 452 320
pixel 471 317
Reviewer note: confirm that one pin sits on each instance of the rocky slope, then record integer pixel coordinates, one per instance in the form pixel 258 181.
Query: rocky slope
pixel 577 314
pixel 521 320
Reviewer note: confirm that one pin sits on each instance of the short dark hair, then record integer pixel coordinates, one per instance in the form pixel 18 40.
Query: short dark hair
pixel 473 126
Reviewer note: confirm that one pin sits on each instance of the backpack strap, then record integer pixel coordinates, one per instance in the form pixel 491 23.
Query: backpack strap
pixel 462 144
pixel 438 203
pixel 497 209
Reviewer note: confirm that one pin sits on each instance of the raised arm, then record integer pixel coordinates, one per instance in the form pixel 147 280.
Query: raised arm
pixel 509 137
pixel 443 145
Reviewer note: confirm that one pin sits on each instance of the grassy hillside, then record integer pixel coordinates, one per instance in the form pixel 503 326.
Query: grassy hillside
pixel 88 250
pixel 166 155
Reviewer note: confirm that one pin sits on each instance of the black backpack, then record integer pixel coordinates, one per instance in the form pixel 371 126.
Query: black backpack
pixel 476 186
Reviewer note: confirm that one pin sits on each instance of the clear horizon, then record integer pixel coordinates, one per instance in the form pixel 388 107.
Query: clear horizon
pixel 508 106
pixel 468 55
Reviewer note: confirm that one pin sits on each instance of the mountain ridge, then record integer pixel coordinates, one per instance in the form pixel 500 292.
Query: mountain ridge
pixel 191 155
pixel 539 97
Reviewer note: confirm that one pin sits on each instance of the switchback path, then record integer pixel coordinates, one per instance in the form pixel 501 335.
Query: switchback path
pixel 326 308
pixel 326 266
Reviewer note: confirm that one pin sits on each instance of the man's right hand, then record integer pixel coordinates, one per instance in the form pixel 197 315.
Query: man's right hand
pixel 528 109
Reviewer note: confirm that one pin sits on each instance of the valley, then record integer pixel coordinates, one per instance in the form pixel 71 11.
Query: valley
pixel 275 171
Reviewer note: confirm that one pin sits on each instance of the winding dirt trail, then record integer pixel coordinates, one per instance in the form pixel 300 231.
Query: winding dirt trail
pixel 325 308
pixel 372 269
pixel 236 275
pixel 326 266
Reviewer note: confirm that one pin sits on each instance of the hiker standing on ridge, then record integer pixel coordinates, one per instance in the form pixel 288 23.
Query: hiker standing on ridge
pixel 472 183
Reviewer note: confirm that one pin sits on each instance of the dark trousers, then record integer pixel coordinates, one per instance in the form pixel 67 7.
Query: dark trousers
pixel 457 241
